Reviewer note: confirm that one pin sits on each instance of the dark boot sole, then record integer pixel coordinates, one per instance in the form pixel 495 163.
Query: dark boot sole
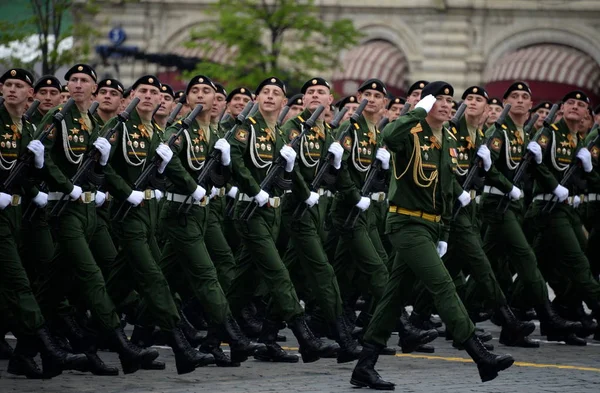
pixel 362 384
pixel 286 359
pixel 411 346
pixel 488 373
pixel 309 356
pixel 347 356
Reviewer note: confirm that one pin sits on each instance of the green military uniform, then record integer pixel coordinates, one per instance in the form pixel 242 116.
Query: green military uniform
pixel 229 231
pixel 592 205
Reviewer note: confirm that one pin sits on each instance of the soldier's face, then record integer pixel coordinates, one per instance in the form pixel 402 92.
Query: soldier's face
pixel 476 105
pixel 394 112
pixel 574 110
pixel 376 101
pixel 149 98
pixel 166 104
pixel 49 97
pixel 520 102
pixel 315 96
pixel 441 109
pixel 542 113
pixel 16 92
pixel 414 97
pixel 201 94
pixel 81 86
pixel 351 109
pixel 494 113
pixel 294 111
pixel 270 99
pixel 586 123
pixel 237 104
pixel 64 97
pixel 219 105
pixel 597 118
pixel 109 99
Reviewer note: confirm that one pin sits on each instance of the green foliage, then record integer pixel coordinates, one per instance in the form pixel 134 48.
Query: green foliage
pixel 285 38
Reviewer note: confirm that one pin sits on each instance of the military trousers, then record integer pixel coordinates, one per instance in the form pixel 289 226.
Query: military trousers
pixel 102 245
pixel 415 241
pixel 216 243
pixel 136 265
pixel 260 260
pixel 592 250
pixel 186 262
pixel 74 269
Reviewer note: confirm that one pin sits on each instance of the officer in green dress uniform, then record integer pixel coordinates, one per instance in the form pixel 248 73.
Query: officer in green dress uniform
pixel 47 92
pixel 542 109
pixel 16 296
pixel 592 203
pixel 347 102
pixel 64 94
pixel 421 200
pixel 167 104
pixel 109 95
pixel 73 262
pixel 296 106
pixel 395 107
pixel 504 235
pixel 495 108
pixel 413 95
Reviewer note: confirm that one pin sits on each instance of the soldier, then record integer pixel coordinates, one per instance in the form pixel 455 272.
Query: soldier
pixel 504 235
pixel 47 92
pixel 347 102
pixel 185 109
pixel 73 261
pixel 167 104
pixel 421 199
pixel 219 107
pixel 542 109
pixel 495 108
pixel 16 296
pixel 395 107
pixel 414 92
pixel 110 97
pixel 236 102
pixel 296 106
pixel 255 146
pixel 64 94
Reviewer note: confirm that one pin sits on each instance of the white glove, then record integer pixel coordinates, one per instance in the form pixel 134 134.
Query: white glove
pixel 75 192
pixel 289 155
pixel 232 193
pixel 135 198
pixel 364 203
pixel 312 200
pixel 158 195
pixel 214 191
pixel 225 148
pixel 484 153
pixel 464 198
pixel 442 247
pixel 561 193
pixel 536 150
pixel 4 200
pixel 199 193
pixel 337 150
pixel 37 148
pixel 103 147
pixel 100 198
pixel 384 156
pixel 261 198
pixel 515 194
pixel 41 199
pixel 576 201
pixel 586 159
pixel 165 153
pixel 426 102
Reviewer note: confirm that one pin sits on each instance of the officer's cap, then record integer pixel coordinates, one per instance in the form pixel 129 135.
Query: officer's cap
pixel 418 85
pixel 47 81
pixel 480 91
pixel 166 89
pixel 542 105
pixel 200 80
pixel 271 81
pixel 296 99
pixel 577 95
pixel 438 88
pixel 373 84
pixel 315 82
pixel 112 84
pixel 396 101
pixel 81 69
pixel 517 86
pixel 18 73
pixel 239 90
pixel 147 80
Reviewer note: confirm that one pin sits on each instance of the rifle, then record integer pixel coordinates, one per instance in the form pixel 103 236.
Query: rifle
pixel 215 155
pixel 93 108
pixel 155 111
pixel 335 123
pixel 25 160
pixel 30 111
pixel 528 156
pixel 253 110
pixel 91 158
pixel 573 167
pixel 478 161
pixel 282 115
pixel 280 162
pixel 383 122
pixel 318 179
pixel 142 180
pixel 405 109
pixel 175 112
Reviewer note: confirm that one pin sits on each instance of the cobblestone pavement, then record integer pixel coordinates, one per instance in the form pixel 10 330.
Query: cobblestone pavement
pixel 553 367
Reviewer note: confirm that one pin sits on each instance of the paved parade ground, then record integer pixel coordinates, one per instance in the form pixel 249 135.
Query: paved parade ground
pixel 553 367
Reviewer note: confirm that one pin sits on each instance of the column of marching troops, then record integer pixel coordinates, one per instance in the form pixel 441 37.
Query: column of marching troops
pixel 202 210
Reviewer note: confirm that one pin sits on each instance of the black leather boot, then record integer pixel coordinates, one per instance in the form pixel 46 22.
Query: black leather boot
pixel 132 357
pixel 349 349
pixel 241 346
pixel 6 350
pixel 249 322
pixel 488 363
pixel 410 338
pixel 191 333
pixel 212 345
pixel 22 359
pixel 424 322
pixel 272 352
pixel 54 358
pixel 311 347
pixel 551 324
pixel 186 357
pixel 364 374
pixel 523 341
pixel 144 337
pixel 512 328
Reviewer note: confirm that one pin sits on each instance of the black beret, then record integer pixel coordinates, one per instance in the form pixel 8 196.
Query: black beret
pixel 180 95
pixel 373 84
pixel 416 86
pixel 127 92
pixel 476 90
pixel 239 90
pixel 577 95
pixel 47 81
pixel 597 110
pixel 221 89
pixel 315 82
pixel 18 73
pixel 81 69
pixel 296 99
pixel 346 100
pixel 396 101
pixel 166 89
pixel 200 80
pixel 111 83
pixel 495 101
pixel 437 88
pixel 147 80
pixel 455 104
pixel 64 89
pixel 517 86
pixel 542 104
pixel 272 81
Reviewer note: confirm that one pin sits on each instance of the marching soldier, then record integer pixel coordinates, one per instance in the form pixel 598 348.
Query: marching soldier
pixel 236 102
pixel 64 94
pixel 219 107
pixel 395 107
pixel 347 102
pixel 495 108
pixel 542 109
pixel 110 98
pixel 167 104
pixel 414 92
pixel 296 107
pixel 47 91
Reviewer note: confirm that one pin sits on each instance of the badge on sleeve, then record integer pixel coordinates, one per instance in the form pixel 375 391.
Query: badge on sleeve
pixel 595 152
pixel 496 144
pixel 294 134
pixel 543 141
pixel 241 135
pixel 347 143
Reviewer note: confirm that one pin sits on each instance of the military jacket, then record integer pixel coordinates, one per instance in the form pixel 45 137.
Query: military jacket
pixel 422 166
pixel 254 147
pixel 36 118
pixel 65 149
pixel 594 181
pixel 312 152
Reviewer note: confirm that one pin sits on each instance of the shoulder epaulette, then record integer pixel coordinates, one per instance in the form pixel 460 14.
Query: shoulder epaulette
pixel 300 118
pixel 554 126
pixel 252 120
pixel 451 134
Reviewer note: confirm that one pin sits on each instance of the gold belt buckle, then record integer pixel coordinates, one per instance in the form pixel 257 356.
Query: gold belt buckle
pixel 473 194
pixel 381 197
pixel 87 197
pixel 222 192
pixel 15 199
pixel 147 194
pixel 276 202
pixel 203 201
